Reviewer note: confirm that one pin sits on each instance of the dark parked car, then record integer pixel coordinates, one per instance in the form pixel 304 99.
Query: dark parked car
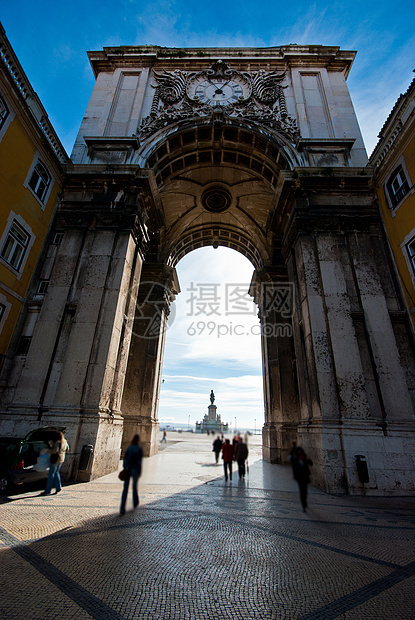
pixel 18 457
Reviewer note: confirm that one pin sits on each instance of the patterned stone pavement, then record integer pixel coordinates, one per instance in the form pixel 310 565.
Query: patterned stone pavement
pixel 200 548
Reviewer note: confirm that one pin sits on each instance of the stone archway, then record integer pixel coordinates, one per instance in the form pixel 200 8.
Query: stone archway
pixel 269 174
pixel 240 169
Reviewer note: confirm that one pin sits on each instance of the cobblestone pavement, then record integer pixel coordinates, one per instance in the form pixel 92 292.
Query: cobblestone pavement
pixel 200 548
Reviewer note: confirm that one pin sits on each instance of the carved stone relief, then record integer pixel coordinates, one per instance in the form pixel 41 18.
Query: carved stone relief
pixel 219 93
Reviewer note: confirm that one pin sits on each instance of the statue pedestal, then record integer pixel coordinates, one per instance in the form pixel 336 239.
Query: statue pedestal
pixel 212 412
pixel 211 422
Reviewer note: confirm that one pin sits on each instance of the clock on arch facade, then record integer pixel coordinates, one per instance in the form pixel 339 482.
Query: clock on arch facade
pixel 219 90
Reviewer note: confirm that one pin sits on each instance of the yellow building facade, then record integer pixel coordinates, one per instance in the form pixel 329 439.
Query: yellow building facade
pixel 31 170
pixel 394 162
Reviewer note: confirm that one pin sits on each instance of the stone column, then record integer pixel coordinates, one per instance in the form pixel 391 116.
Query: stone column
pixel 345 344
pixel 377 309
pixel 158 287
pixel 274 296
pixel 75 367
pixel 337 400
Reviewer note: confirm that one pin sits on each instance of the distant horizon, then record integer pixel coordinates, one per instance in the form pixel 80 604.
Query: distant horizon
pixel 172 426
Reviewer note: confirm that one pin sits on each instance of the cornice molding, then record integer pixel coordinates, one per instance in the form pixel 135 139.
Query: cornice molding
pixel 198 58
pixel 399 122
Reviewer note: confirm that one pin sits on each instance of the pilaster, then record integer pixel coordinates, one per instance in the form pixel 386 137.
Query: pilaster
pixel 343 334
pixel 158 286
pixel 274 296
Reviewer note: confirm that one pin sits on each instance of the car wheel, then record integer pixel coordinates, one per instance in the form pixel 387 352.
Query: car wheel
pixel 4 484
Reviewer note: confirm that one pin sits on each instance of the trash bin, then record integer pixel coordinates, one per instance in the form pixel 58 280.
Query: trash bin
pixel 362 470
pixel 86 457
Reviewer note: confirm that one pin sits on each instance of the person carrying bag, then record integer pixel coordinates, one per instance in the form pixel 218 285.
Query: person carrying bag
pixel 57 453
pixel 132 469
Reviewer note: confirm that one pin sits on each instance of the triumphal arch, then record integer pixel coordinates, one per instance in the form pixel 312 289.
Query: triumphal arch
pixel 255 149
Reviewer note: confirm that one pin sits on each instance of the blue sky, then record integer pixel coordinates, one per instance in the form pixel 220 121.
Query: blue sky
pixel 51 40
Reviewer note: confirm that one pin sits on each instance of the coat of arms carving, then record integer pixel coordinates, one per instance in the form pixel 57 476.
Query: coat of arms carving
pixel 221 93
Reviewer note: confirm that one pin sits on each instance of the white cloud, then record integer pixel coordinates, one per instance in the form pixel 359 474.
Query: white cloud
pixel 242 381
pixel 375 90
pixel 209 325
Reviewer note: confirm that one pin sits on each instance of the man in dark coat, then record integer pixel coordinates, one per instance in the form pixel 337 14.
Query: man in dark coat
pixel 132 463
pixel 301 470
pixel 228 457
pixel 241 454
pixel 217 447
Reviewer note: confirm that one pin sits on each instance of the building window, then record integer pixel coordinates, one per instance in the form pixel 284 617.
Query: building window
pixel 4 112
pixel 57 238
pixel 5 307
pixel 15 245
pixel 42 287
pixel 23 346
pixel 410 248
pixel 397 186
pixel 40 181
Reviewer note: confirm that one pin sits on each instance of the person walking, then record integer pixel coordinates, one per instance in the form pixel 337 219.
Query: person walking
pixel 292 454
pixel 57 452
pixel 217 447
pixel 132 463
pixel 241 454
pixel 228 457
pixel 164 438
pixel 301 469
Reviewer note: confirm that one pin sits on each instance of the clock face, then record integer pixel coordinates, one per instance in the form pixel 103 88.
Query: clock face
pixel 217 91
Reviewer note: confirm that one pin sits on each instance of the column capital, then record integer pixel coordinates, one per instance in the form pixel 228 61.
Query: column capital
pixel 161 274
pixel 273 293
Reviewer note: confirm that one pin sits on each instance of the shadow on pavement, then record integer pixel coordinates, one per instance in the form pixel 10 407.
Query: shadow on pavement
pixel 218 550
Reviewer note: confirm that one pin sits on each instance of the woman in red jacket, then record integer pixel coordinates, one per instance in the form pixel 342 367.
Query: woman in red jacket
pixel 228 456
